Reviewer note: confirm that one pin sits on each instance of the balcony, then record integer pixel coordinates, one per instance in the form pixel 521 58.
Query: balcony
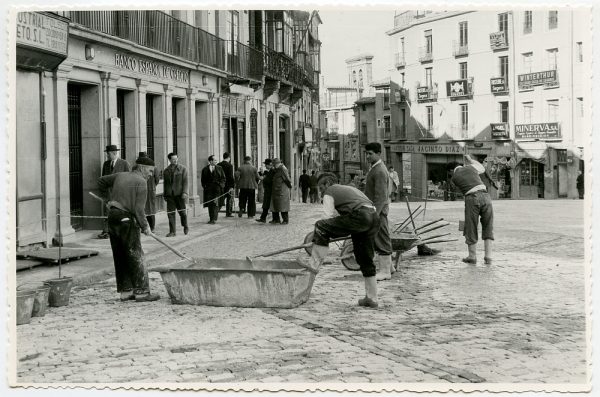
pixel 462 132
pixel 427 133
pixel 425 55
pixel 243 62
pixel 159 31
pixel 278 66
pixel 400 60
pixel 387 134
pixel 498 41
pixel 427 94
pixel 460 49
pixel 399 133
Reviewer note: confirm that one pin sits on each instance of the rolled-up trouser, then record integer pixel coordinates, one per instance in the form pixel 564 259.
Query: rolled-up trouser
pixel 478 204
pixel 383 241
pixel 362 224
pixel 130 272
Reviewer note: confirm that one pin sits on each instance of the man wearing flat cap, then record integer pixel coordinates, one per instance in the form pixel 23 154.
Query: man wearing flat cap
pixel 126 216
pixel 111 166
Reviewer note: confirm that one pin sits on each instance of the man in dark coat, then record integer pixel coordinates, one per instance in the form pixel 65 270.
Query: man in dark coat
pixel 150 208
pixel 212 179
pixel 175 193
pixel 314 188
pixel 268 187
pixel 126 216
pixel 280 193
pixel 248 183
pixel 304 182
pixel 227 200
pixel 111 166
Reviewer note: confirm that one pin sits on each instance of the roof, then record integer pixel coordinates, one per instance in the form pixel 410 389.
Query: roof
pixel 382 82
pixel 359 57
pixel 340 87
pixel 367 99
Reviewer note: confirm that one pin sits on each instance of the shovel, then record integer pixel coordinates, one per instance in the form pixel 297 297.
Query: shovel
pixel 300 263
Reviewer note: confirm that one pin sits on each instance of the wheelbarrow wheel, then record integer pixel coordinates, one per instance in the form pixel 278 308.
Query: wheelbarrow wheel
pixel 307 239
pixel 347 257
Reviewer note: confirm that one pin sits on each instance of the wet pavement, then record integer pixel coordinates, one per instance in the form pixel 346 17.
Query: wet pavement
pixel 521 320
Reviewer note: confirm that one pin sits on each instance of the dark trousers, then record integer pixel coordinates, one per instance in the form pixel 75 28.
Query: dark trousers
pixel 265 206
pixel 284 216
pixel 478 205
pixel 176 203
pixel 213 211
pixel 151 221
pixel 304 194
pixel 314 195
pixel 127 252
pixel 362 224
pixel 249 196
pixel 227 200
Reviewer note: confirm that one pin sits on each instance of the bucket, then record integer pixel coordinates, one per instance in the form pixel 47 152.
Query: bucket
pixel 41 301
pixel 461 226
pixel 60 291
pixel 25 306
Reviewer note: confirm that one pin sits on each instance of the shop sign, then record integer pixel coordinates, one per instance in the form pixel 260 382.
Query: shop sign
pixel 497 84
pixel 428 149
pixel 43 32
pixel 499 130
pixel 529 80
pixel 151 68
pixel 423 93
pixel 457 88
pixel 538 131
pixel 498 40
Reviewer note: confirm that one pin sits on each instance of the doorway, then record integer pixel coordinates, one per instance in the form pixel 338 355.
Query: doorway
pixel 531 179
pixel 75 158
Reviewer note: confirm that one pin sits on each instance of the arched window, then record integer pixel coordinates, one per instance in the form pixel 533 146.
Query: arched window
pixel 360 78
pixel 354 77
pixel 254 136
pixel 270 135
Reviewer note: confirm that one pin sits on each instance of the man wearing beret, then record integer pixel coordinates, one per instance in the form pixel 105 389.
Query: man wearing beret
pixel 111 166
pixel 126 216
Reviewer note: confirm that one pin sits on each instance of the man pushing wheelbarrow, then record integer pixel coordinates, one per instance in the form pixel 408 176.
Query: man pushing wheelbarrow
pixel 349 212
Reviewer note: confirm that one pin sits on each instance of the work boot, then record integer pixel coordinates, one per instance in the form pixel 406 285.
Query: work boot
pixel 127 296
pixel 424 250
pixel 472 258
pixel 171 234
pixel 147 297
pixel 186 230
pixel 370 299
pixel 487 244
pixel 385 268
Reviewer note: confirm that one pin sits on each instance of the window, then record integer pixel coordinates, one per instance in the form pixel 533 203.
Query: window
pixel 270 135
pixel 386 125
pixel 464 117
pixel 463 70
pixel 503 22
pixel 232 31
pixel 386 98
pixel 402 78
pixel 552 19
pixel 580 107
pixel 552 110
pixel 254 133
pixel 504 112
pixel 529 172
pixel 401 48
pixel 527 22
pixel 429 118
pixel 428 77
pixel 552 56
pixel 279 31
pixel 527 62
pixel 503 64
pixel 428 42
pixel 527 111
pixel 121 115
pixel 360 78
pixel 579 51
pixel 463 37
pixel 354 77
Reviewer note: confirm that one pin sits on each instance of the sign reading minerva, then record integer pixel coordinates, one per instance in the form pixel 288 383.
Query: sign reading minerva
pixel 43 32
pixel 151 68
pixel 428 149
pixel 538 131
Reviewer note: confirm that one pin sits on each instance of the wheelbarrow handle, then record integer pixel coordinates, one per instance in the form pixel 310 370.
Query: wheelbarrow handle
pixel 421 232
pixel 429 223
pixel 284 250
pixel 428 239
pixel 169 246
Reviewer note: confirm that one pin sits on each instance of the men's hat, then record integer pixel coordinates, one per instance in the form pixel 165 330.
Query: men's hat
pixel 112 148
pixel 276 161
pixel 142 154
pixel 144 161
pixel 267 161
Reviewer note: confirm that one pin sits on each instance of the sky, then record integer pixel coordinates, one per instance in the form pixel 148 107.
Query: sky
pixel 348 33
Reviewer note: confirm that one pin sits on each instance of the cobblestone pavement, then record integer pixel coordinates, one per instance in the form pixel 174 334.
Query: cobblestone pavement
pixel 521 320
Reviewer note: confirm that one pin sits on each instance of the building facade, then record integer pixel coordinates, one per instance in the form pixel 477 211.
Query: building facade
pixel 495 94
pixel 195 82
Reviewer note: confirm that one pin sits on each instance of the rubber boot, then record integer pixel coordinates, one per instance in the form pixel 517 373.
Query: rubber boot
pixel 370 299
pixel 487 244
pixel 385 268
pixel 472 258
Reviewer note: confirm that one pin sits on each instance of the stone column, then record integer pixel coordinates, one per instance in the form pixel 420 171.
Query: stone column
pixel 140 115
pixel 61 147
pixel 189 152
pixel 109 105
pixel 168 121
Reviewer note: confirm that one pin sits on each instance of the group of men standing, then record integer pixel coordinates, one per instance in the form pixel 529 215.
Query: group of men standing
pixel 309 185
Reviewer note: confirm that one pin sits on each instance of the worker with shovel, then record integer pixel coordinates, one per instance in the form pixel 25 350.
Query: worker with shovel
pixel 125 218
pixel 349 212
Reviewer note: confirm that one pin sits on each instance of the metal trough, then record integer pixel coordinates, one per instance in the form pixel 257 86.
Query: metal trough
pixel 237 282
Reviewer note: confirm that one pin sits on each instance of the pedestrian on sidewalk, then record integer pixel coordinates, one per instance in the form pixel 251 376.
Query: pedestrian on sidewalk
pixel 227 200
pixel 212 179
pixel 347 211
pixel 248 183
pixel 175 193
pixel 113 165
pixel 304 183
pixel 150 207
pixel 580 184
pixel 126 201
pixel 396 184
pixel 280 193
pixel 314 188
pixel 267 183
pixel 260 191
pixel 478 204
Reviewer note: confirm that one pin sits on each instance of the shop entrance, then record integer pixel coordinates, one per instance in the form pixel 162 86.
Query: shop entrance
pixel 75 156
pixel 531 179
pixel 436 180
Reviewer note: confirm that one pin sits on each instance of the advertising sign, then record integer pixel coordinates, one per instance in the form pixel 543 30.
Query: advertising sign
pixel 423 93
pixel 42 32
pixel 498 40
pixel 428 149
pixel 529 80
pixel 538 131
pixel 457 88
pixel 498 84
pixel 499 130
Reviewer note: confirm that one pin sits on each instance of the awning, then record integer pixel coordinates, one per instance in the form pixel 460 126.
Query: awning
pixel 240 89
pixel 536 150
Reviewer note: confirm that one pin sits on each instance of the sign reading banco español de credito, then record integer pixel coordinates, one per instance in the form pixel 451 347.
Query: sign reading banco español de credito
pixel 43 32
pixel 428 149
pixel 151 68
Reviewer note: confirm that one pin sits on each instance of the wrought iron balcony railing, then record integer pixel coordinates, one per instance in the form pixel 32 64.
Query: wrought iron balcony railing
pixel 243 61
pixel 462 132
pixel 425 54
pixel 460 49
pixel 280 67
pixel 400 60
pixel 159 31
